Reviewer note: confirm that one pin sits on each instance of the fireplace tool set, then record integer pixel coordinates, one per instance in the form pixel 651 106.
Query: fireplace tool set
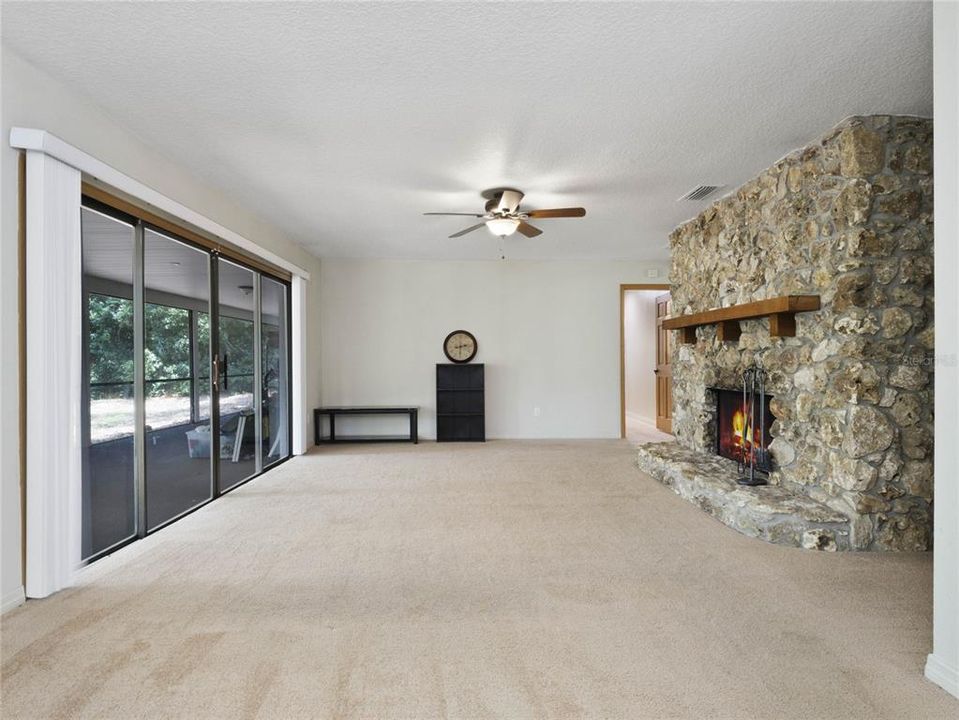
pixel 755 462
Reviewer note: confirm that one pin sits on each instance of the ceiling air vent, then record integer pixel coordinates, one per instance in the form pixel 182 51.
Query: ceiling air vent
pixel 700 193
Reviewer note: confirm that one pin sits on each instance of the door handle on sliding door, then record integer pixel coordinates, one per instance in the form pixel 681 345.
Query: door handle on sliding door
pixel 216 373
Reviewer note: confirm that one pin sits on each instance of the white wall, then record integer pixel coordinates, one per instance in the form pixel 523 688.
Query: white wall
pixel 548 332
pixel 639 324
pixel 943 664
pixel 30 98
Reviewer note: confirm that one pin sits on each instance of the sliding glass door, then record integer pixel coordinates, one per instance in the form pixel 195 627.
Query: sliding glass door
pixel 237 372
pixel 179 474
pixel 185 376
pixel 275 363
pixel 108 418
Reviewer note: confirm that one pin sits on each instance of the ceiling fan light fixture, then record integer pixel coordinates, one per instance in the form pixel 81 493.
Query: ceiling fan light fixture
pixel 503 216
pixel 502 227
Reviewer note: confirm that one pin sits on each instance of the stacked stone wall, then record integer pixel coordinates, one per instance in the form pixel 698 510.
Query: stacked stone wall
pixel 848 218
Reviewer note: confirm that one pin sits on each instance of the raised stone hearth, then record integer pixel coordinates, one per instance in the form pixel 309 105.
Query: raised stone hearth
pixel 769 512
pixel 848 219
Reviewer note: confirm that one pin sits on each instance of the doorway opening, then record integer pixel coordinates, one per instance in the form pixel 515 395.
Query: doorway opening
pixel 645 374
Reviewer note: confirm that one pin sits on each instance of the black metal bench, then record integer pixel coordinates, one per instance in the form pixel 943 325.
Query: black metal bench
pixel 332 412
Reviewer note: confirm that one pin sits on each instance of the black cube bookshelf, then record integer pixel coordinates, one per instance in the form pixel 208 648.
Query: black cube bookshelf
pixel 460 403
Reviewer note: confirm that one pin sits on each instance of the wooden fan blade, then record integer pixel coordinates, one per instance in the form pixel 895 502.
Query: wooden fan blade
pixel 457 214
pixel 557 213
pixel 528 230
pixel 470 229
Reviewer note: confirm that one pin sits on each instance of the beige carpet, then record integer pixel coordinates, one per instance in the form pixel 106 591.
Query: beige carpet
pixel 510 580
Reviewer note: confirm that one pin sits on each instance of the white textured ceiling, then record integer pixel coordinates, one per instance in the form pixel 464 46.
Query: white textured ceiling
pixel 341 123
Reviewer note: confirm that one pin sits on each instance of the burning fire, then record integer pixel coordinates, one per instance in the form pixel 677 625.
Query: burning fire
pixel 739 421
pixel 739 436
pixel 744 439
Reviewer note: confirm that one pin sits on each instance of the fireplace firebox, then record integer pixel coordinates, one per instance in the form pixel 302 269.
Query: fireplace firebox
pixel 733 439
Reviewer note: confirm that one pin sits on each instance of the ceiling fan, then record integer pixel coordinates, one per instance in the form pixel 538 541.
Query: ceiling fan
pixel 503 216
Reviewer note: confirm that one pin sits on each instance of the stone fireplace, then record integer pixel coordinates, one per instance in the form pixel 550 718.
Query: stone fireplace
pixel 848 219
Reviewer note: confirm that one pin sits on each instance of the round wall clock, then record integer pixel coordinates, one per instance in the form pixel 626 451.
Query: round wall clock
pixel 460 346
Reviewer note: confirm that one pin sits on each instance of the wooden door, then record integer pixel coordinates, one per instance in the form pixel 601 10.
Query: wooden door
pixel 664 373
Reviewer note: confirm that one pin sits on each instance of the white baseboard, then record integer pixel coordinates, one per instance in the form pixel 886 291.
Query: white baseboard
pixel 14 598
pixel 943 675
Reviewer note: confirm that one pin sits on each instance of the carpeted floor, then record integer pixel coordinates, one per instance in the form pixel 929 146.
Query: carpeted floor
pixel 510 580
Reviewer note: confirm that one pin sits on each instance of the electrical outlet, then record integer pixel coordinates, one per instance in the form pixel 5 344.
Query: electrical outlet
pixel 652 273
pixel 536 412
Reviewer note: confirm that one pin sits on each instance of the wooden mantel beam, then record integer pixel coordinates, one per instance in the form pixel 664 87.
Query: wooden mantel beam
pixel 780 311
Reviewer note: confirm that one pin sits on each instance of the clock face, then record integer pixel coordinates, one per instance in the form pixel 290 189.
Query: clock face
pixel 460 346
